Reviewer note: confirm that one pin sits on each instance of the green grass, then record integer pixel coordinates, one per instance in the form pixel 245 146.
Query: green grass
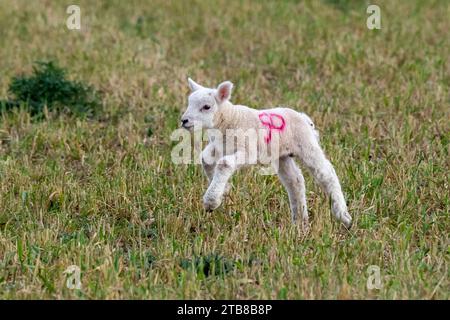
pixel 104 195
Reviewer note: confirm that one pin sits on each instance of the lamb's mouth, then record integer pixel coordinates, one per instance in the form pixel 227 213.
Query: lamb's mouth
pixel 188 127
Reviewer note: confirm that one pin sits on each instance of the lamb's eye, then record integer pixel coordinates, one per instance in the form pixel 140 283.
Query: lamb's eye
pixel 206 107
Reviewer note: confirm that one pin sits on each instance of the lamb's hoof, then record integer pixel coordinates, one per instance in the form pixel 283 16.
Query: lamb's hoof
pixel 227 189
pixel 302 223
pixel 346 219
pixel 211 204
pixel 305 226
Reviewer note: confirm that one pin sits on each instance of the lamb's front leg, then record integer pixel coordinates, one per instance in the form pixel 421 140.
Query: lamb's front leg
pixel 224 169
pixel 209 162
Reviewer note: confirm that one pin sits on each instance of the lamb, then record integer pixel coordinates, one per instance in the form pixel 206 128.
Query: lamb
pixel 292 133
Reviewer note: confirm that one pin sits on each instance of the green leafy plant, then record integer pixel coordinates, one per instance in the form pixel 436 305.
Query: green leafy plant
pixel 48 86
pixel 212 264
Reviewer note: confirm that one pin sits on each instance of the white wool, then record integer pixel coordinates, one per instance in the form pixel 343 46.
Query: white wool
pixel 211 109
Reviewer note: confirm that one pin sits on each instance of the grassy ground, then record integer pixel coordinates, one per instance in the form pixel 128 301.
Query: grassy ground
pixel 104 195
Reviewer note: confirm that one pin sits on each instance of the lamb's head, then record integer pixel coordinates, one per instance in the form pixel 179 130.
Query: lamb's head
pixel 203 104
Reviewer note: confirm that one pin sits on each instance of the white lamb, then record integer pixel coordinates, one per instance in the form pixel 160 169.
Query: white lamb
pixel 293 132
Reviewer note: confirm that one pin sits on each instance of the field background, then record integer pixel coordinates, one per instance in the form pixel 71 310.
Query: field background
pixel 103 194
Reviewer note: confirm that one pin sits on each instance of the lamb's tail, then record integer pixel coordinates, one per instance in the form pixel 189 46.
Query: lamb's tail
pixel 311 124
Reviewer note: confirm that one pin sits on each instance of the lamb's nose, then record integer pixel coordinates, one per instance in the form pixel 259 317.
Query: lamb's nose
pixel 184 121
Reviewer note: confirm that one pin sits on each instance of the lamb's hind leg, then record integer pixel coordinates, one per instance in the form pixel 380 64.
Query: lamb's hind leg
pixel 292 179
pixel 312 156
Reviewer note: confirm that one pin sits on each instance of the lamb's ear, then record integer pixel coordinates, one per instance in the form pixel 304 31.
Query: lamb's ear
pixel 224 91
pixel 193 85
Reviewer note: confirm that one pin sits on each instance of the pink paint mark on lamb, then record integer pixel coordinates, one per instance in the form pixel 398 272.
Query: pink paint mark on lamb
pixel 267 119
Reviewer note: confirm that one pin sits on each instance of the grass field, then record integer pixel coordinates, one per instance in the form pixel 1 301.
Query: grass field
pixel 103 194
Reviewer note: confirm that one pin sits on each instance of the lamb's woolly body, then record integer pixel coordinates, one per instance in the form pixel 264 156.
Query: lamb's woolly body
pixel 299 139
pixel 299 127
